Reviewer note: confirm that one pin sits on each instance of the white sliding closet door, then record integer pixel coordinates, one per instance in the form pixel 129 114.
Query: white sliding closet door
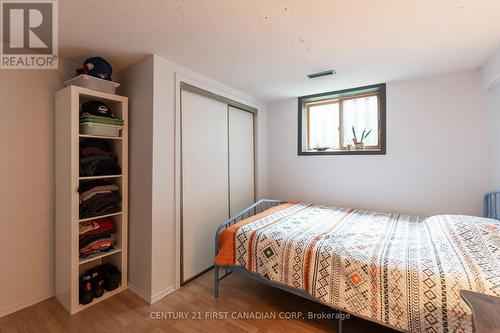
pixel 205 192
pixel 241 160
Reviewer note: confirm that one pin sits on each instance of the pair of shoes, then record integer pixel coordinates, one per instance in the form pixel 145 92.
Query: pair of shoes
pixel 95 281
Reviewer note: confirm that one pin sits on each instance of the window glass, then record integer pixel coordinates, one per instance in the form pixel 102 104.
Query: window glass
pixel 362 115
pixel 323 126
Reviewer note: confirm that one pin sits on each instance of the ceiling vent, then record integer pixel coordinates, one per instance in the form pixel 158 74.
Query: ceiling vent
pixel 321 74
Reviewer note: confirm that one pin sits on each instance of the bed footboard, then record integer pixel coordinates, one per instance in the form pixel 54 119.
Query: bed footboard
pixel 254 209
pixel 491 205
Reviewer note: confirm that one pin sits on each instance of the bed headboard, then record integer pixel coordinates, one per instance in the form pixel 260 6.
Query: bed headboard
pixel 491 205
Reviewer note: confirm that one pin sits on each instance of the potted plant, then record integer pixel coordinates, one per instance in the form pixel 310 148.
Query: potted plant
pixel 359 144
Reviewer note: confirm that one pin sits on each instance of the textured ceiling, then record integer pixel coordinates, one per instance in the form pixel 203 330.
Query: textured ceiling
pixel 265 47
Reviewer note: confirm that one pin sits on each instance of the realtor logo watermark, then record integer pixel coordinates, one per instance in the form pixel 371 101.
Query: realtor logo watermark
pixel 29 34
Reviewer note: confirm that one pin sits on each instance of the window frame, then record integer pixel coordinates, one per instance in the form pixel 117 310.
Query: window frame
pixel 305 102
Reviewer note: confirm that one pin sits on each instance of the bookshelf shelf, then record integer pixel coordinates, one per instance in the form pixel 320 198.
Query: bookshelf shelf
pixel 100 137
pixel 100 177
pixel 104 255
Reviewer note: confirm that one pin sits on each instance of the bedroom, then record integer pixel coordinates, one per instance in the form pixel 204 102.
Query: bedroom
pixel 216 112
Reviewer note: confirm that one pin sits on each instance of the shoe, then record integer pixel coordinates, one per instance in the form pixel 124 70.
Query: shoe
pixel 112 276
pixel 97 280
pixel 86 294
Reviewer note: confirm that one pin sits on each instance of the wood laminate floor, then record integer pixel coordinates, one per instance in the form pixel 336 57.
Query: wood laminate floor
pixel 239 296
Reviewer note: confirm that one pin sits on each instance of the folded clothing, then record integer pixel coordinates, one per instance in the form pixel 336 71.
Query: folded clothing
pixel 95 253
pixel 89 189
pixel 96 228
pixel 89 185
pixel 96 237
pixel 95 143
pixel 99 165
pixel 87 118
pixel 91 239
pixel 101 204
pixel 97 246
pixel 98 197
pixel 94 151
pixel 96 158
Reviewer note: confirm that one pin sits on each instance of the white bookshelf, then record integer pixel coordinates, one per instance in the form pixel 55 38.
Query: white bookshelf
pixel 68 263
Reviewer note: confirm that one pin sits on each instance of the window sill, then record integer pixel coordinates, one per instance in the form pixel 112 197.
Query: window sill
pixel 342 152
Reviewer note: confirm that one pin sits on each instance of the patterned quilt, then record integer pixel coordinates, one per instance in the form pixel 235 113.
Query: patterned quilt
pixel 401 271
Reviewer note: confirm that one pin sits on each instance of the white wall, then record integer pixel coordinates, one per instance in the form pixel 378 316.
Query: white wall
pixel 438 153
pixel 138 86
pixel 495 137
pixel 491 70
pixel 160 193
pixel 27 194
pixel 491 80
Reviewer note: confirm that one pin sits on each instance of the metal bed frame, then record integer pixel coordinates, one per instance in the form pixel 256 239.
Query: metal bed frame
pixel 491 205
pixel 255 209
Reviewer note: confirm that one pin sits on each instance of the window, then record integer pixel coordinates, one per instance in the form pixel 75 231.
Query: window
pixel 346 122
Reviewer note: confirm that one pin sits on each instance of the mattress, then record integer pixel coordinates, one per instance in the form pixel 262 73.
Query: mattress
pixel 402 271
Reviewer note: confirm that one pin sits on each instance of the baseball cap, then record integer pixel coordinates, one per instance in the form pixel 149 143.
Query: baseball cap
pixel 97 108
pixel 97 67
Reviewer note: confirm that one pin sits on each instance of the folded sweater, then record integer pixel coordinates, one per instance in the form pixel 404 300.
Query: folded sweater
pixel 98 244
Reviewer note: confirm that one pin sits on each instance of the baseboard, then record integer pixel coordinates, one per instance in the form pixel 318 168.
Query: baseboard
pixel 24 304
pixel 156 297
pixel 40 298
pixel 150 298
pixel 139 292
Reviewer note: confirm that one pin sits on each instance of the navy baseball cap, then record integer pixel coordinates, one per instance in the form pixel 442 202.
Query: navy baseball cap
pixel 97 67
pixel 97 108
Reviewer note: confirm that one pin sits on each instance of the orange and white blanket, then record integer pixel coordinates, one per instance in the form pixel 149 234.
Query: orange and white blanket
pixel 401 271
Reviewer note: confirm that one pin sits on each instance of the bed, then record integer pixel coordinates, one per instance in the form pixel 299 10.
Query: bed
pixel 404 272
